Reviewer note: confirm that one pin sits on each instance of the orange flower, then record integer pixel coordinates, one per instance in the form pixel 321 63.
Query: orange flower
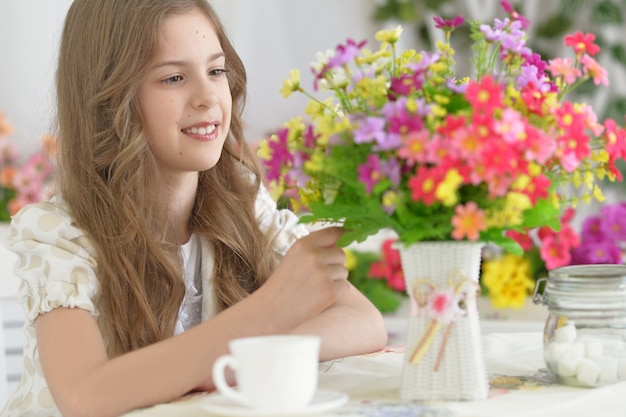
pixel 468 221
pixel 49 144
pixel 7 175
pixel 5 127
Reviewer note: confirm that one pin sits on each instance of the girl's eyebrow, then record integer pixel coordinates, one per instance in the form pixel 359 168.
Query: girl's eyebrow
pixel 182 63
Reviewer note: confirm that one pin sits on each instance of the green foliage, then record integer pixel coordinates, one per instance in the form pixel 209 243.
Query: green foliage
pixel 6 195
pixel 385 298
pixel 606 11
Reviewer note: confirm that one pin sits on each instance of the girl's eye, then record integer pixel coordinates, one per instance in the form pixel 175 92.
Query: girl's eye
pixel 218 72
pixel 173 79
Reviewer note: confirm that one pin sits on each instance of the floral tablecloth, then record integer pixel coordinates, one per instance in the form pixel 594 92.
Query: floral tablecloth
pixel 520 386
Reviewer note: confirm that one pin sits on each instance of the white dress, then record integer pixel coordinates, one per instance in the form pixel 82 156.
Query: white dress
pixel 56 266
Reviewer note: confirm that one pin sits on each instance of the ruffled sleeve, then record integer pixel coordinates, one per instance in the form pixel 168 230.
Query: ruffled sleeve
pixel 281 226
pixel 56 263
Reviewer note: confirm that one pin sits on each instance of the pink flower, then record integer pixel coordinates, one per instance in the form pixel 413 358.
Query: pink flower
pixel 511 126
pixel 592 68
pixel 555 252
pixel 443 305
pixel 564 67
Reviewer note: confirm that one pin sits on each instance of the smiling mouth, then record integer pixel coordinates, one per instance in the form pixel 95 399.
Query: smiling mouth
pixel 200 130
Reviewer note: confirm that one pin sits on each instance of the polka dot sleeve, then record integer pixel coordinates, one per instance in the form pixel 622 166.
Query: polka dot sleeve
pixel 281 226
pixel 55 263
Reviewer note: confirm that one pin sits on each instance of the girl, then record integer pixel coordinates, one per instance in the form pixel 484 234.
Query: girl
pixel 162 244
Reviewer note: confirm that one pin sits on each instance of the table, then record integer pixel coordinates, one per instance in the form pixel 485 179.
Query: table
pixel 520 387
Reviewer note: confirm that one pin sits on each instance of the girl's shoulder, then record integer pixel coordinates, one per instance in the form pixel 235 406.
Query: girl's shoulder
pixel 47 220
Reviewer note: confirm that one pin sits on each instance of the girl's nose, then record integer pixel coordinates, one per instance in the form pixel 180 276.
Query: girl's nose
pixel 203 94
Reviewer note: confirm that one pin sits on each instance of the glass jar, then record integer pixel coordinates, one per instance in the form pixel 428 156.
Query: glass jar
pixel 584 341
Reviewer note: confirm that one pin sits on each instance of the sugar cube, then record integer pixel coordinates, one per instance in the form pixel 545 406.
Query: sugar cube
pixel 608 369
pixel 568 363
pixel 565 334
pixel 593 349
pixel 588 371
pixel 555 350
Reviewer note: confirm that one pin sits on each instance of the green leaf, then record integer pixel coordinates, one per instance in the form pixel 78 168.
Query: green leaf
pixel 606 12
pixel 616 109
pixel 619 53
pixel 543 213
pixel 572 7
pixel 6 195
pixel 555 26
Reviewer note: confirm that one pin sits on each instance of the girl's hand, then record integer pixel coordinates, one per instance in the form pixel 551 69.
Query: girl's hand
pixel 311 276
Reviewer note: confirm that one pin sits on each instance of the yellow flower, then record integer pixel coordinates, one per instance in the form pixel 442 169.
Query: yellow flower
pixel 316 108
pixel 292 84
pixel 446 191
pixel 388 35
pixel 264 148
pixel 598 194
pixel 351 259
pixel 277 189
pixel 508 280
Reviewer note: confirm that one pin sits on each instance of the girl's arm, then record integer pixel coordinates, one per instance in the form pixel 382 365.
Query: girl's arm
pixel 84 382
pixel 351 326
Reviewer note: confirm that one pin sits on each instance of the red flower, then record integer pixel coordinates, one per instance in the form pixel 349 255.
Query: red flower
pixel 389 267
pixel 485 95
pixel 582 43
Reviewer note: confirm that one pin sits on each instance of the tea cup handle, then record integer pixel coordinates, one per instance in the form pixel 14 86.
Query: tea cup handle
pixel 219 378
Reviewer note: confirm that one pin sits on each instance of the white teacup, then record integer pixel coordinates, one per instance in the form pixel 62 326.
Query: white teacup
pixel 274 373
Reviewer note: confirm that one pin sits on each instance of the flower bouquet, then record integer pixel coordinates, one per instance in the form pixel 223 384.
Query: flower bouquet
pixel 399 140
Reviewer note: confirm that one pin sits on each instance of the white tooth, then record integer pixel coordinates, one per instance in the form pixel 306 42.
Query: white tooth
pixel 202 131
pixel 194 130
pixel 210 129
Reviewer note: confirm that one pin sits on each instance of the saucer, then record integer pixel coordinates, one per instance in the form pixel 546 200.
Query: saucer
pixel 322 401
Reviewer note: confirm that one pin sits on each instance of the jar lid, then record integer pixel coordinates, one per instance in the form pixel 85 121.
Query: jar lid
pixel 597 286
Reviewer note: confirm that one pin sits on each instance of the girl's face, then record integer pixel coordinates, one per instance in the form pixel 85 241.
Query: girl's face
pixel 184 98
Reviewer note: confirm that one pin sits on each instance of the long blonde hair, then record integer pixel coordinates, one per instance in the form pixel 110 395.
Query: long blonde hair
pixel 109 179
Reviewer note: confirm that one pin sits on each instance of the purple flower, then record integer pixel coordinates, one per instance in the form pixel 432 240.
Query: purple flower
pixel 405 84
pixel 614 221
pixel 448 24
pixel 428 58
pixel 388 142
pixel 346 53
pixel 491 34
pixel 592 230
pixel 501 24
pixel 370 129
pixel 524 21
pixel 391 169
pixel 536 61
pixel 530 74
pixel 604 252
pixel 455 86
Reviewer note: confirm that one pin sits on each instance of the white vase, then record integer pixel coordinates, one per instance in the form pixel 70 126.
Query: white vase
pixel 444 358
